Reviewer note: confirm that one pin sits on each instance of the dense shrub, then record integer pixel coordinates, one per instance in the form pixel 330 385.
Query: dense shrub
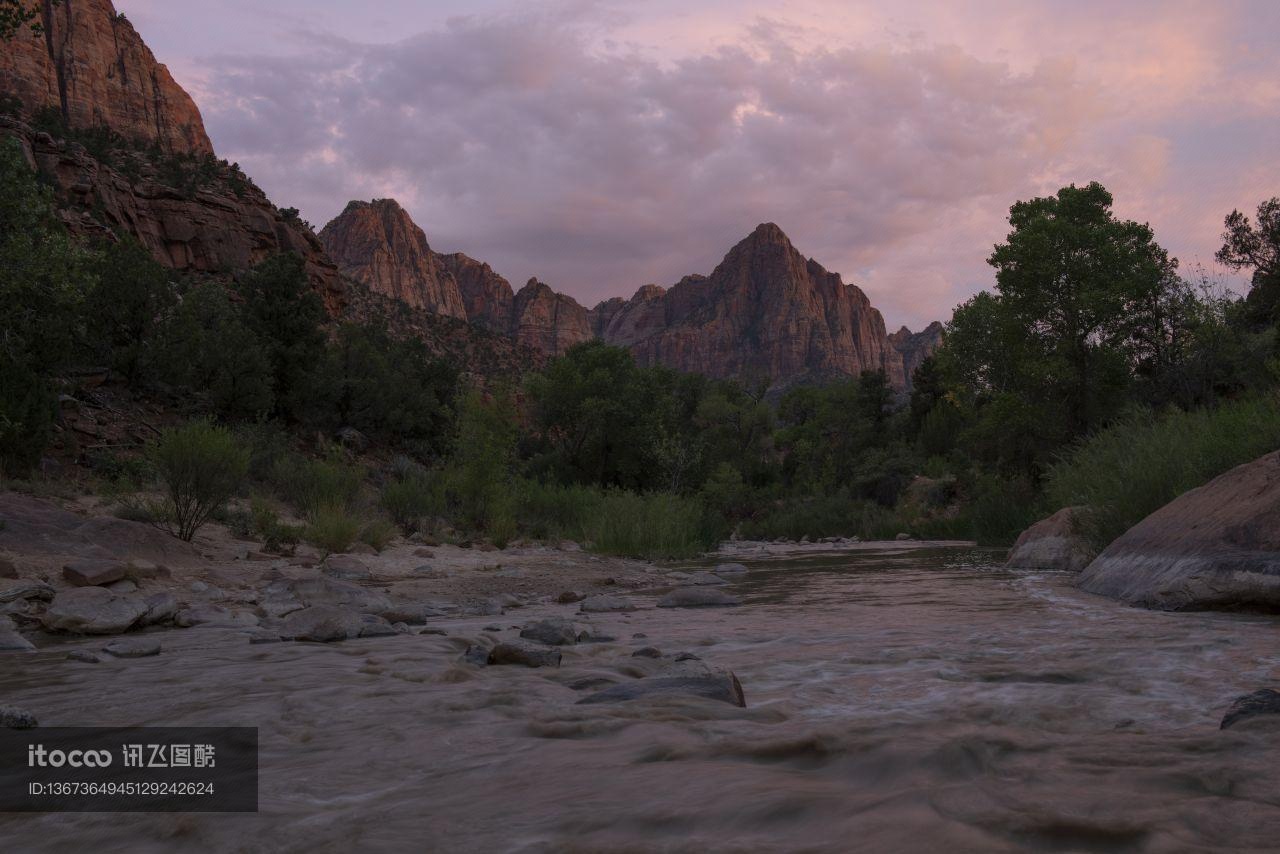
pixel 315 485
pixel 332 529
pixel 1133 468
pixel 411 497
pixel 377 533
pixel 652 526
pixel 200 466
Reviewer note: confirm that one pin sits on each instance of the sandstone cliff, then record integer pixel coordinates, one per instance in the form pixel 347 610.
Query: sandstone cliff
pixel 548 321
pixel 194 215
pixel 487 297
pixel 915 347
pixel 378 245
pixel 92 66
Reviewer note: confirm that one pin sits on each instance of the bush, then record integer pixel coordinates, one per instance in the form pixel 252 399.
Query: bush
pixel 654 526
pixel 377 534
pixel 551 512
pixel 265 522
pixel 411 497
pixel 1130 470
pixel 200 466
pixel 332 529
pixel 313 485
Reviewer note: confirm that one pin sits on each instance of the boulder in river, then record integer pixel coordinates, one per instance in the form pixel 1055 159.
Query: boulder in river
pixel 729 569
pixel 554 631
pixel 1053 543
pixel 133 648
pixel 10 639
pixel 720 685
pixel 1264 702
pixel 161 608
pixel 698 597
pixel 1216 547
pixel 512 652
pixel 603 603
pixel 13 717
pixel 214 616
pixel 322 624
pixel 93 611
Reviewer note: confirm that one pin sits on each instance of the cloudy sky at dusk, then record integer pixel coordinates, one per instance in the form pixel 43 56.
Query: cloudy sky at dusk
pixel 602 145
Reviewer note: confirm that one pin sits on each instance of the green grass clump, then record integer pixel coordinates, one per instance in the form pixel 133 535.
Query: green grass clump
pixel 411 497
pixel 1126 472
pixel 313 485
pixel 652 526
pixel 377 534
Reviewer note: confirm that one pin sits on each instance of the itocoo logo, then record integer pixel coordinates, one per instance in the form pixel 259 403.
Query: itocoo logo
pixel 39 757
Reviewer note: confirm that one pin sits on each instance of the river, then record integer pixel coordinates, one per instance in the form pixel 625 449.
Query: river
pixel 897 700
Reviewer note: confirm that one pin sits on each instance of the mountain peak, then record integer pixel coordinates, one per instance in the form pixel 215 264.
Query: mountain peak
pixel 768 233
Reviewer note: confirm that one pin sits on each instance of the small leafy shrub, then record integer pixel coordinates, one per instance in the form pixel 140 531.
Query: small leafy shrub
pixel 276 535
pixel 312 485
pixel 200 466
pixel 332 529
pixel 411 497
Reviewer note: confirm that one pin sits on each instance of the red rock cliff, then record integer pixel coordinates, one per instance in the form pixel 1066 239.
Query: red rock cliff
pixel 91 65
pixel 378 244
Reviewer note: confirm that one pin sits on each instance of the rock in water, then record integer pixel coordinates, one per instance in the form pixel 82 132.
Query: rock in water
pixel 15 718
pixel 93 611
pixel 522 653
pixel 11 639
pixel 1262 702
pixel 722 686
pixel 698 597
pixel 134 648
pixel 1214 547
pixel 729 569
pixel 1053 543
pixel 161 608
pixel 553 632
pixel 605 603
pixel 704 579
pixel 322 624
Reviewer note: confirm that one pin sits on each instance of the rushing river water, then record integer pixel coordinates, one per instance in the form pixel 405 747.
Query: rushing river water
pixel 896 701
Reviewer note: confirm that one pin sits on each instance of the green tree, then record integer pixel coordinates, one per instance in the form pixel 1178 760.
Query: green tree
pixel 201 466
pixel 44 276
pixel 285 314
pixel 125 306
pixel 480 474
pixel 1256 247
pixel 207 348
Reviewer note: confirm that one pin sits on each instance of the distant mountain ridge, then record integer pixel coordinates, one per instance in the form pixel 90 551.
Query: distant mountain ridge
pixel 765 313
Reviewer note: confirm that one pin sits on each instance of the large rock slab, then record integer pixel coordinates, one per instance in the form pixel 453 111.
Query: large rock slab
pixel 1216 547
pixel 513 652
pixel 554 631
pixel 604 603
pixel 36 527
pixel 322 590
pixel 93 611
pixel 1053 543
pixel 322 623
pixel 92 572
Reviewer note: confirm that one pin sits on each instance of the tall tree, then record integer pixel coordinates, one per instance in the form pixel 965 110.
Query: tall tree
pixel 1246 245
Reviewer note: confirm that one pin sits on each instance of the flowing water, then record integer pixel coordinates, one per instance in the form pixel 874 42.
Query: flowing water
pixel 897 701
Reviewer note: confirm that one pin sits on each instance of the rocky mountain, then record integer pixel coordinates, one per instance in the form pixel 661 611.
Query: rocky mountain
pixel 92 66
pixel 155 179
pixel 378 245
pixel 766 312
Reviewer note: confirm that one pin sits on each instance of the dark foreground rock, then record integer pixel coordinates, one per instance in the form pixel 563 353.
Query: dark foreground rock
pixel 10 639
pixel 522 653
pixel 93 611
pixel 1264 702
pixel 712 685
pixel 1053 543
pixel 1216 547
pixel 93 573
pixel 698 597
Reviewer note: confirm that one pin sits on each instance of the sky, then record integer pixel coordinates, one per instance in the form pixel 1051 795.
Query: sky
pixel 601 145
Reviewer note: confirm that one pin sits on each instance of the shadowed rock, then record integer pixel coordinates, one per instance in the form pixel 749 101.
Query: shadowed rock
pixel 1264 702
pixel 25 590
pixel 511 652
pixel 345 567
pixel 729 569
pixel 1053 543
pixel 16 718
pixel 605 603
pixel 133 648
pixel 703 579
pixel 93 573
pixel 10 639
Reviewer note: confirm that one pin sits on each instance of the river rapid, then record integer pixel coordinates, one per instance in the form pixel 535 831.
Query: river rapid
pixel 897 700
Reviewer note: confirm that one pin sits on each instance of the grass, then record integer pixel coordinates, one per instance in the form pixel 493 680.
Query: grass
pixel 332 529
pixel 653 526
pixel 1128 471
pixel 316 485
pixel 411 497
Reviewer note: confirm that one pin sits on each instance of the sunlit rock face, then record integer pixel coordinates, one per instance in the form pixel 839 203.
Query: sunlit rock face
pixel 91 65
